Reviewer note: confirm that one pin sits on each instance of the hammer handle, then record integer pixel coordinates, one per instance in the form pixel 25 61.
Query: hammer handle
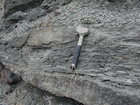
pixel 77 53
pixel 76 56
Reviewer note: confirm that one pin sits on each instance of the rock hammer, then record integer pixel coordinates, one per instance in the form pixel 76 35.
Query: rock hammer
pixel 82 31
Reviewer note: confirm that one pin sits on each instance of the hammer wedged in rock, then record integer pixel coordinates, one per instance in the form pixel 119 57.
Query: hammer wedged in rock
pixel 82 31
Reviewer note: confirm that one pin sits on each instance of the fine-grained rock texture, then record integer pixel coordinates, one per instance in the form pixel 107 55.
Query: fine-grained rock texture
pixel 12 6
pixel 108 73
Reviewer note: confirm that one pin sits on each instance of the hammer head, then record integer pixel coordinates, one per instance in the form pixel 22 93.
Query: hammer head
pixel 82 30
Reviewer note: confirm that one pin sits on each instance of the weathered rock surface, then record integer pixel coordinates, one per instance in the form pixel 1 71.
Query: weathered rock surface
pixel 108 70
pixel 26 94
pixel 12 6
pixel 1 11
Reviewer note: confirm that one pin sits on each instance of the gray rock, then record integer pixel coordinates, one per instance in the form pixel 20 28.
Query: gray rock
pixel 26 94
pixel 12 6
pixel 108 67
pixel 17 16
pixel 50 2
pixel 35 13
pixel 15 12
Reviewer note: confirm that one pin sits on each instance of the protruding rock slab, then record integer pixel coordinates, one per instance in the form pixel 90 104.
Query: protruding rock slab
pixel 106 74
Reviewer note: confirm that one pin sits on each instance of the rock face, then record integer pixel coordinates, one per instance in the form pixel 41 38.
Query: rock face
pixel 40 50
pixel 26 94
pixel 1 11
pixel 12 6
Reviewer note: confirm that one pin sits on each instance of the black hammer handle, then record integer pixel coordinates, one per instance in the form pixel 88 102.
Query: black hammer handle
pixel 75 57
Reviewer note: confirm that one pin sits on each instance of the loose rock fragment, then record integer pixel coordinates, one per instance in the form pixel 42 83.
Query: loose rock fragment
pixel 9 77
pixel 9 91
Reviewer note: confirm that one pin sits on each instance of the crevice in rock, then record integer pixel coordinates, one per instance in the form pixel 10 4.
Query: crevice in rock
pixel 23 7
pixel 24 44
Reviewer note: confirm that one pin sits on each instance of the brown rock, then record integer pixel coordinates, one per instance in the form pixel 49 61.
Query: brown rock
pixel 9 77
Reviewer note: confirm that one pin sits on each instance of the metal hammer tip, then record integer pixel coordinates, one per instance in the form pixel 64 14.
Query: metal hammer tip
pixel 82 30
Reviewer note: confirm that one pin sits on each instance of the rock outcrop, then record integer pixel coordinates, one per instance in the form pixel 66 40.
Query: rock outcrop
pixel 40 49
